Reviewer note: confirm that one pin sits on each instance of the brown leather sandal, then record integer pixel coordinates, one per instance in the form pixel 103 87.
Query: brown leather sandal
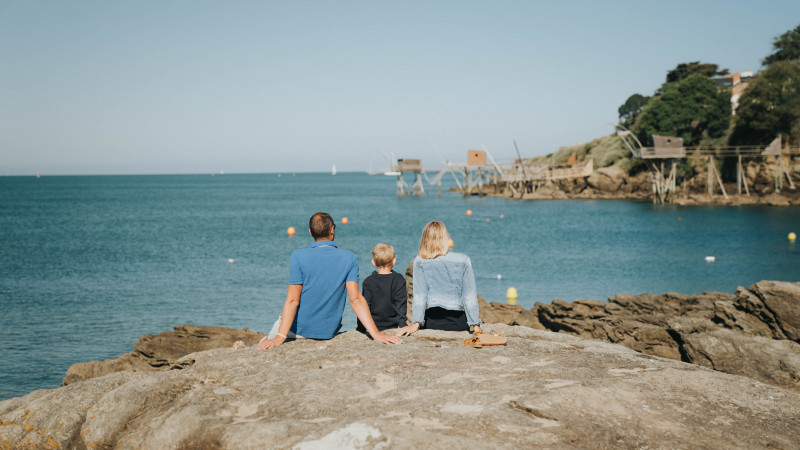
pixel 484 339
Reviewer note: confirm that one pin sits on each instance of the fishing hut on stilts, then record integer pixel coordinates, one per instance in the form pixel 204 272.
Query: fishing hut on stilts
pixel 414 167
pixel 666 152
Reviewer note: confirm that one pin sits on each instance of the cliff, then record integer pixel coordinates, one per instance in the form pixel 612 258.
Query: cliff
pixel 542 389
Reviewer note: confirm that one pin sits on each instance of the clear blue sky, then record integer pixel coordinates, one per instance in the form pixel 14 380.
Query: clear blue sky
pixel 96 87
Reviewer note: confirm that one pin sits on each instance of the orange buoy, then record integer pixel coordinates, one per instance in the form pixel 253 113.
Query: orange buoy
pixel 290 231
pixel 450 244
pixel 345 220
pixel 502 215
pixel 469 212
pixel 680 218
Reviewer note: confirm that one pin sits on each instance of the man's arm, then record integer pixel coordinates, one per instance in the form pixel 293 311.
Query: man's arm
pixel 360 307
pixel 287 317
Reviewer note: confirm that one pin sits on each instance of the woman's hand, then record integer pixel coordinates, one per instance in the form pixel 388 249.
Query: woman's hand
pixel 408 329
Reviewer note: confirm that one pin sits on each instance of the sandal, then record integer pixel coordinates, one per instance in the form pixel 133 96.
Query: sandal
pixel 481 339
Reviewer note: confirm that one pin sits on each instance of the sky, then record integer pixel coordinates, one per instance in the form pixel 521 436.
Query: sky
pixel 169 87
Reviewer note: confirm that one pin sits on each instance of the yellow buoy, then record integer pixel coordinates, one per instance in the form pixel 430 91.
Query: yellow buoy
pixel 469 212
pixel 345 220
pixel 450 244
pixel 290 231
pixel 792 237
pixel 511 296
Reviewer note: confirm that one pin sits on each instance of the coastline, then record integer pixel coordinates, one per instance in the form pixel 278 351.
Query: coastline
pixel 585 373
pixel 615 183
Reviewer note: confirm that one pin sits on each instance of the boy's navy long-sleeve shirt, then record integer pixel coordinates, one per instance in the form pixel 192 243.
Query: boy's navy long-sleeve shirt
pixel 387 299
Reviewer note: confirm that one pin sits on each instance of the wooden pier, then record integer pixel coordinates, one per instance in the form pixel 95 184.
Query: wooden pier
pixel 666 151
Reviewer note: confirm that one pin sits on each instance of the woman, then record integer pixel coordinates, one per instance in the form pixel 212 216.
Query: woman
pixel 444 286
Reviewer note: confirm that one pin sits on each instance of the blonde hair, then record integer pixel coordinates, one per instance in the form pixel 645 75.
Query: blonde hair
pixel 382 255
pixel 435 240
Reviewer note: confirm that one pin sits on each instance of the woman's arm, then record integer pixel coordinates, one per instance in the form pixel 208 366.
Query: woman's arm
pixel 420 289
pixel 469 296
pixel 419 303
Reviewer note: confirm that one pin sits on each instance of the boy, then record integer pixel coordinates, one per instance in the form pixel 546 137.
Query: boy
pixel 385 291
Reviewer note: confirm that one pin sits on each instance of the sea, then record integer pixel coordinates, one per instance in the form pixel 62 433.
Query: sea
pixel 90 263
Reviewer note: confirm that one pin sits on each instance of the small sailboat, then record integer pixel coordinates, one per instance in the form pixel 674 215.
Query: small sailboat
pixel 333 169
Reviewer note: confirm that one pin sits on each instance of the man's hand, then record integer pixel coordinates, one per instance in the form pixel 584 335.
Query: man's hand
pixel 265 343
pixel 387 339
pixel 408 329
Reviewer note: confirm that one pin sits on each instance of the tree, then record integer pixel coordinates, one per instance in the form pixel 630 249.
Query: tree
pixel 770 106
pixel 786 47
pixel 684 70
pixel 632 107
pixel 689 109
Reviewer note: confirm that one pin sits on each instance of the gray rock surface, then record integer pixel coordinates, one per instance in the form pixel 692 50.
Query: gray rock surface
pixel 159 352
pixel 542 389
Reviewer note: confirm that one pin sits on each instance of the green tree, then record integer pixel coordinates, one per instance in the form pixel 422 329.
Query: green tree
pixel 629 110
pixel 770 105
pixel 690 109
pixel 683 70
pixel 786 47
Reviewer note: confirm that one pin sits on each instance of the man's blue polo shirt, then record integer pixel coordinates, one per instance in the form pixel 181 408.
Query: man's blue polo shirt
pixel 323 270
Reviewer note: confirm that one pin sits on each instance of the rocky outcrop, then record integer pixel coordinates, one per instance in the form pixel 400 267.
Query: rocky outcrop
pixel 159 352
pixel 754 332
pixel 543 389
pixel 607 179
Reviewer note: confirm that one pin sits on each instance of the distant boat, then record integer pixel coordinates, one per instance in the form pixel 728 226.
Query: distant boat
pixel 391 173
pixel 333 170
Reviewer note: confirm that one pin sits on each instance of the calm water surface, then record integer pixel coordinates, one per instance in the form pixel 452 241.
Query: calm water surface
pixel 88 264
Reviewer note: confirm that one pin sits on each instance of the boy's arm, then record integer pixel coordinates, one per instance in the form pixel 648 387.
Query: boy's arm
pixel 400 299
pixel 360 307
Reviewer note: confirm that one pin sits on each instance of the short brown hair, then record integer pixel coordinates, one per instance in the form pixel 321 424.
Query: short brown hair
pixel 321 225
pixel 435 240
pixel 382 255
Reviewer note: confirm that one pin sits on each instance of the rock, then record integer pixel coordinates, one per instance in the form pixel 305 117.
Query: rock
pixel 779 306
pixel 607 179
pixel 547 192
pixel 542 389
pixel 495 312
pixel 775 199
pixel 770 360
pixel 162 350
pixel 646 323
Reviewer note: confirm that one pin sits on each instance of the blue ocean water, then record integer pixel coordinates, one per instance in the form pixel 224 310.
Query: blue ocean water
pixel 90 263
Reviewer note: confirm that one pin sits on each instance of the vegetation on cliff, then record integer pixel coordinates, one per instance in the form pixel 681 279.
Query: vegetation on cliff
pixel 690 105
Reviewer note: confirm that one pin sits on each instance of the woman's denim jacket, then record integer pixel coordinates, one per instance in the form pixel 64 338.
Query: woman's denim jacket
pixel 448 282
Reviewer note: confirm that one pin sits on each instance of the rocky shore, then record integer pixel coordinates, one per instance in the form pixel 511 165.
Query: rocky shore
pixel 754 332
pixel 615 183
pixel 542 389
pixel 579 374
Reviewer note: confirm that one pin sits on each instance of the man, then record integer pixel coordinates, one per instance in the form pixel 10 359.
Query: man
pixel 320 277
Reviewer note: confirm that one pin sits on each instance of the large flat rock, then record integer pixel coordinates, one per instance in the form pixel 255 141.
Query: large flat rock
pixel 542 389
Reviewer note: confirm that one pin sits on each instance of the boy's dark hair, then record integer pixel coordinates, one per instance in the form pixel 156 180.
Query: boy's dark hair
pixel 321 225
